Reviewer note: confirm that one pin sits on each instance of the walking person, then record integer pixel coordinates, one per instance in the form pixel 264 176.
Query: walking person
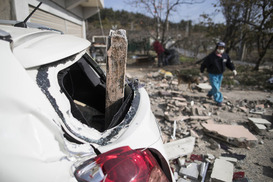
pixel 215 63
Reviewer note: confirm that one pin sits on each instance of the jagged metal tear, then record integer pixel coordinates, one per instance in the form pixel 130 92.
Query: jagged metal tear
pixel 44 83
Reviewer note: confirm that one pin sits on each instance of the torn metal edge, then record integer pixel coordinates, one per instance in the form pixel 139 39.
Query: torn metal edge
pixel 44 84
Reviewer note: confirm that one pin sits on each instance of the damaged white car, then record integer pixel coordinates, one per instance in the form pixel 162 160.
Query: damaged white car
pixel 52 116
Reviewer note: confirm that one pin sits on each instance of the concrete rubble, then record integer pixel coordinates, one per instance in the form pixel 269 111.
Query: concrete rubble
pixel 260 125
pixel 191 171
pixel 179 148
pixel 204 86
pixel 234 134
pixel 222 171
pixel 189 122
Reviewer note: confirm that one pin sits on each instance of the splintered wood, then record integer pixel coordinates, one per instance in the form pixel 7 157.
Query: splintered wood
pixel 115 73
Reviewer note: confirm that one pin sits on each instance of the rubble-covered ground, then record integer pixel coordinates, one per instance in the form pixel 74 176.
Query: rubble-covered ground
pixel 192 110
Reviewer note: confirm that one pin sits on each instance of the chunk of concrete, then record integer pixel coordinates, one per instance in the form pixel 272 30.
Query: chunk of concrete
pixel 259 124
pixel 244 109
pixel 257 111
pixel 235 134
pixel 183 180
pixel 164 93
pixel 180 104
pixel 222 171
pixel 194 134
pixel 200 117
pixel 176 92
pixel 213 144
pixel 210 121
pixel 163 85
pixel 270 100
pixel 181 161
pixel 182 99
pixel 175 175
pixel 191 171
pixel 177 118
pixel 229 159
pixel 159 113
pixel 260 121
pixel 179 148
pixel 204 86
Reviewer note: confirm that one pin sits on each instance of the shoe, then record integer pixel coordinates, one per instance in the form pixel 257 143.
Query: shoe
pixel 219 104
pixel 209 96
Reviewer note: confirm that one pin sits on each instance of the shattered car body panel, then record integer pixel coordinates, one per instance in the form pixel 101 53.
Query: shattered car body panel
pixel 38 44
pixel 46 80
pixel 30 139
pixel 147 129
pixel 52 97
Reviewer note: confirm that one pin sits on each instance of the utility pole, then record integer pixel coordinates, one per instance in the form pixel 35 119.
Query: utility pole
pixel 168 6
pixel 115 74
pixel 187 28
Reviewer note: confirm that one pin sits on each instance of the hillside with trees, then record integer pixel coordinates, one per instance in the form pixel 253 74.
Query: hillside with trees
pixel 139 29
pixel 247 31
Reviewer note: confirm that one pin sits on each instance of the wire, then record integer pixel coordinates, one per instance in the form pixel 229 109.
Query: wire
pixel 100 18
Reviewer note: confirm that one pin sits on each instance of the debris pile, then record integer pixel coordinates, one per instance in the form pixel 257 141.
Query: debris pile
pixel 190 121
pixel 207 167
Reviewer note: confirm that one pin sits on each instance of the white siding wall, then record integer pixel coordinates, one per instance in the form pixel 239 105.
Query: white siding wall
pixel 53 21
pixel 51 15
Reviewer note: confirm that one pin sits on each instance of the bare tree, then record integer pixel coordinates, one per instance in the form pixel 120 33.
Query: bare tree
pixel 262 23
pixel 249 20
pixel 246 21
pixel 160 10
pixel 234 11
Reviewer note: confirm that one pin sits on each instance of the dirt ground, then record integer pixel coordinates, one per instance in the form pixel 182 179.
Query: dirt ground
pixel 258 164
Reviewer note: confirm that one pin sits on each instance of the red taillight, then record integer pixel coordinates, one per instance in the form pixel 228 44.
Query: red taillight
pixel 122 164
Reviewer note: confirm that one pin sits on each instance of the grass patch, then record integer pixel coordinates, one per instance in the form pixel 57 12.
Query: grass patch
pixel 246 77
pixel 192 71
pixel 184 59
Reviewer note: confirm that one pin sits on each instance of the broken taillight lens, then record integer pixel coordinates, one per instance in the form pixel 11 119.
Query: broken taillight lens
pixel 122 164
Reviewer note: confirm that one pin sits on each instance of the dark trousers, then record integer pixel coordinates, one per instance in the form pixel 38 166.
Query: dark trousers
pixel 160 58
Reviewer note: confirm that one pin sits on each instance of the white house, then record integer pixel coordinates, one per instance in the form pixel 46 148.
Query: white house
pixel 67 16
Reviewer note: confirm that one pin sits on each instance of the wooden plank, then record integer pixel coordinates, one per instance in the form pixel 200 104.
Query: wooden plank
pixel 115 73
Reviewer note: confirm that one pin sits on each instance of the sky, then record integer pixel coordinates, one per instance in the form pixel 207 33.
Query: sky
pixel 185 12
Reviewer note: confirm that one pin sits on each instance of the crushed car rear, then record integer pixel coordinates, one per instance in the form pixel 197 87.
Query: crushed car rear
pixel 53 111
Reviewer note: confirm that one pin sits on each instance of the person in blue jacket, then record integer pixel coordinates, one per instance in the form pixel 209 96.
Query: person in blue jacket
pixel 216 63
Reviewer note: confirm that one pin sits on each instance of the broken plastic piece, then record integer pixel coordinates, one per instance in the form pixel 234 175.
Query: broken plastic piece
pixel 196 157
pixel 238 175
pixel 203 170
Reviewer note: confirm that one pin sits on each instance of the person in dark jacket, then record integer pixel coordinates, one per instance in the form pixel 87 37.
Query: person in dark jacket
pixel 216 63
pixel 93 50
pixel 159 49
